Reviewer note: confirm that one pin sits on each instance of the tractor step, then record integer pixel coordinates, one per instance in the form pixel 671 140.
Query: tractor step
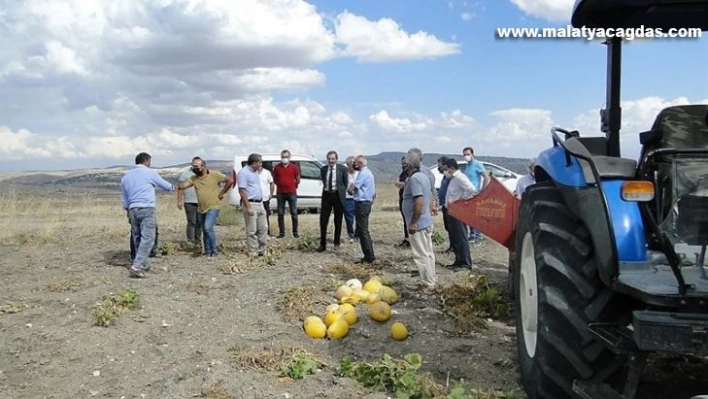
pixel 592 390
pixel 671 332
pixel 618 338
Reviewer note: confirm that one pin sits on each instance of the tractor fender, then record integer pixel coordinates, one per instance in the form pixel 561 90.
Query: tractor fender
pixel 615 225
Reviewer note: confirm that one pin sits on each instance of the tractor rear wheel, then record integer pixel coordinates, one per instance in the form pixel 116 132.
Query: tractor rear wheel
pixel 557 293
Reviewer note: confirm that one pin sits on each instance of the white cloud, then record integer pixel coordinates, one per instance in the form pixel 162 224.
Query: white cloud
pixel 102 79
pixel 550 10
pixel 385 41
pixel 637 116
pixel 387 123
pixel 466 16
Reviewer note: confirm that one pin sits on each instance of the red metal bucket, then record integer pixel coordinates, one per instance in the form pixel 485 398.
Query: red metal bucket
pixel 493 212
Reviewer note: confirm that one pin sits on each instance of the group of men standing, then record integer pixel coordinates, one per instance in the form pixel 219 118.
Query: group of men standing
pixel 348 191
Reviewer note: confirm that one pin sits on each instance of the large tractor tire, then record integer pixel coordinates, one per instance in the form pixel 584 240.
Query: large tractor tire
pixel 557 293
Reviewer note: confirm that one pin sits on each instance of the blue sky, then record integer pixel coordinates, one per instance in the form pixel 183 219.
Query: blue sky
pixel 89 85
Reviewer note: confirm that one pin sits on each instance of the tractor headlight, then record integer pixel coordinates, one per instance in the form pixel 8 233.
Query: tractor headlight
pixel 637 191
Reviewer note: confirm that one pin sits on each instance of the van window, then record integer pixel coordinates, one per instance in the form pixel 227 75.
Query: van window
pixel 309 170
pixel 266 165
pixel 494 171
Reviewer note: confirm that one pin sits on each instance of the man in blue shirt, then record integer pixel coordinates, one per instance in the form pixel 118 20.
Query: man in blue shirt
pixel 138 200
pixel 479 177
pixel 417 196
pixel 254 213
pixel 364 193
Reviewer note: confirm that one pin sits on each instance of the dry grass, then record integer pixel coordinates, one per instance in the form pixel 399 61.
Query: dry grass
pixel 266 359
pixel 68 218
pixel 353 270
pixel 12 308
pixel 64 286
pixel 201 288
pixel 215 391
pixel 471 302
pixel 299 302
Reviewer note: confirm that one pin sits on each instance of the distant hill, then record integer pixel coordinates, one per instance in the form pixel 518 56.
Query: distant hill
pixel 385 166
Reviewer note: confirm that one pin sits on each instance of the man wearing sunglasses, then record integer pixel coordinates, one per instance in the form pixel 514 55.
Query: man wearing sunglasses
pixel 209 195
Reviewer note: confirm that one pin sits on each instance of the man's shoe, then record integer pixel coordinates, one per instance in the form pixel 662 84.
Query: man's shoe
pixel 296 235
pixel 404 243
pixel 321 249
pixel 281 235
pixel 136 272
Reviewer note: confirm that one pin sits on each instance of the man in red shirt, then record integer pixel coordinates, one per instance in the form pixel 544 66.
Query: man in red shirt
pixel 286 177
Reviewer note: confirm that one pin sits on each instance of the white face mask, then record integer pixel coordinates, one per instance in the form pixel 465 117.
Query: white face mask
pixel 468 158
pixel 285 160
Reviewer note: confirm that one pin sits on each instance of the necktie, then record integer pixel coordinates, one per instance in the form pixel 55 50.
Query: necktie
pixel 329 179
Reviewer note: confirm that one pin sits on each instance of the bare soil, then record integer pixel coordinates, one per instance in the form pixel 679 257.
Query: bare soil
pixel 212 328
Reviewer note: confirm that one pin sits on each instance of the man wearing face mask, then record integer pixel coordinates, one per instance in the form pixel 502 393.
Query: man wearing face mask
pixel 479 177
pixel 209 195
pixel 459 188
pixel 187 199
pixel 286 176
pixel 442 192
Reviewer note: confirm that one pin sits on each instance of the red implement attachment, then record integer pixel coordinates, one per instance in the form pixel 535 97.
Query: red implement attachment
pixel 493 212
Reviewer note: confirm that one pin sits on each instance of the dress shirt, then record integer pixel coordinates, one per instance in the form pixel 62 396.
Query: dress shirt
pixel 138 187
pixel 365 185
pixel 249 180
pixel 460 187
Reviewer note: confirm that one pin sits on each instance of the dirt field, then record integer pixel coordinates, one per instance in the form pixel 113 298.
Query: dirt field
pixel 229 327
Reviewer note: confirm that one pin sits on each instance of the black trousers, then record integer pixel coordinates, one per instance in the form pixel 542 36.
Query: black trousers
pixel 460 243
pixel 331 202
pixel 266 205
pixel 363 210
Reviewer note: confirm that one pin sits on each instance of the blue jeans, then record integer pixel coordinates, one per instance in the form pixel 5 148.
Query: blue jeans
pixel 143 227
pixel 153 252
pixel 349 214
pixel 207 220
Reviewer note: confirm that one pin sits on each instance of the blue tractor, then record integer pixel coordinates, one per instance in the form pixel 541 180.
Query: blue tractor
pixel 609 251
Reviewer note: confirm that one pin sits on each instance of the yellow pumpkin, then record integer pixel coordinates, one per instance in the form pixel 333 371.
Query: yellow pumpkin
pixel 361 294
pixel 343 291
pixel 331 317
pixel 372 298
pixel 315 327
pixel 345 307
pixel 373 286
pixel 338 330
pixel 380 311
pixel 399 332
pixel 350 316
pixel 388 295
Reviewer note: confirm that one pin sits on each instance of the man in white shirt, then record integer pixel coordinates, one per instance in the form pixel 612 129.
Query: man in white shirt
pixel 267 188
pixel 459 188
pixel 527 180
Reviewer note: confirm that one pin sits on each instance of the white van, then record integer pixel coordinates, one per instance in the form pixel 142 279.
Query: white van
pixel 506 176
pixel 309 193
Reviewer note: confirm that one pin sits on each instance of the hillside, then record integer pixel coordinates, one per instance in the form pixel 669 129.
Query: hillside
pixel 385 166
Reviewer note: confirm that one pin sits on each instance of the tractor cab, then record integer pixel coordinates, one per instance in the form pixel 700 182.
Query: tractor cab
pixel 674 157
